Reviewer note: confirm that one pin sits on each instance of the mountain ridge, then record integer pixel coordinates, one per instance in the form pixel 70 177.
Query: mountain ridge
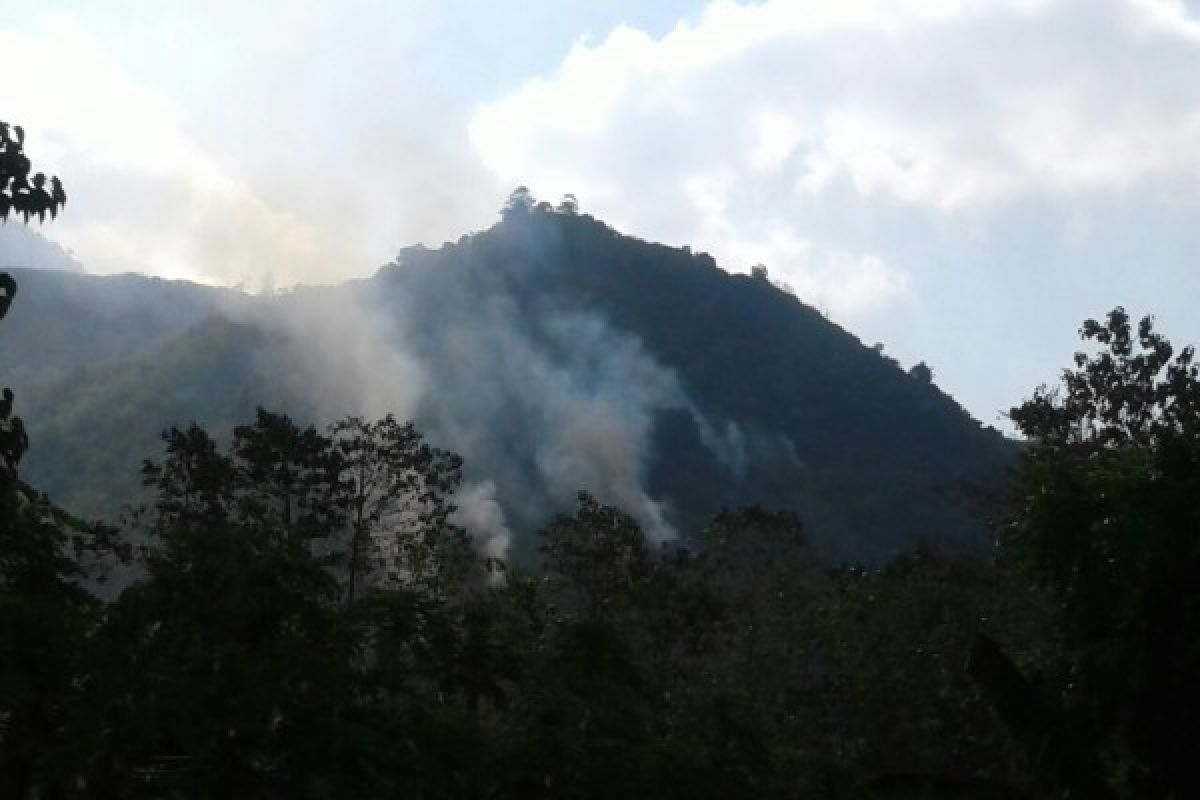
pixel 549 350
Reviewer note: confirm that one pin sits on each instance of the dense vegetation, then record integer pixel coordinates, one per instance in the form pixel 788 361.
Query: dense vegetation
pixel 310 622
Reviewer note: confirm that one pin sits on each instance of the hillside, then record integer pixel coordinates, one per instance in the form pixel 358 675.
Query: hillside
pixel 553 353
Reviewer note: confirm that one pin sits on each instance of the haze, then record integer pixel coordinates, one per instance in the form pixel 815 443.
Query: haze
pixel 963 182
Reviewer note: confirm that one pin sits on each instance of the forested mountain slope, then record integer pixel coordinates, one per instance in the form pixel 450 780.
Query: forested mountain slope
pixel 553 353
pixel 65 320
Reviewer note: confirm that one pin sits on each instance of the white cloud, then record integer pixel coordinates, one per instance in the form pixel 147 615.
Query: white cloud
pixel 143 194
pixel 728 134
pixel 846 285
pixel 1167 16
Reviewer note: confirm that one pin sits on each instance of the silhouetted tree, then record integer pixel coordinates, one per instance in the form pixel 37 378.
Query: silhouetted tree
pixel 397 491
pixel 288 479
pixel 194 484
pixel 45 614
pixel 921 372
pixel 594 559
pixel 20 193
pixel 1108 522
pixel 45 618
pixel 568 205
pixel 26 196
pixel 8 290
pixel 520 202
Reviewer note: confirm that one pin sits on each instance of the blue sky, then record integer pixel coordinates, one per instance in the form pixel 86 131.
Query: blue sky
pixel 962 181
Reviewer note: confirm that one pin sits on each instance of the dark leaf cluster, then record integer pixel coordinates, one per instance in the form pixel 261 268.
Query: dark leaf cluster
pixel 1108 523
pixel 20 192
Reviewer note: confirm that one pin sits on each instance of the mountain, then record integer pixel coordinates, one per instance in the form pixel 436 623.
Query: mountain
pixel 22 246
pixel 62 322
pixel 553 353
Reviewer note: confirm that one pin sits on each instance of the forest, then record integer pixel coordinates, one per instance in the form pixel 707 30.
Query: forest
pixel 296 613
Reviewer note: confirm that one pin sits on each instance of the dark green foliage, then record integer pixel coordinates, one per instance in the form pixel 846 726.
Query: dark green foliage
pixel 112 318
pixel 104 433
pixel 288 479
pixel 593 561
pixel 21 193
pixel 225 671
pixel 238 663
pixel 194 484
pixel 26 196
pixel 1109 524
pixel 45 616
pixel 1132 392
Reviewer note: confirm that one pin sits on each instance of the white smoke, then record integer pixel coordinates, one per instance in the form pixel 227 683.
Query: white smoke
pixel 540 401
pixel 480 513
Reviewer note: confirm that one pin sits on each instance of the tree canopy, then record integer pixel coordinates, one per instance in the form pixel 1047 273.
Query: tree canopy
pixel 28 196
pixel 1108 522
pixel 20 192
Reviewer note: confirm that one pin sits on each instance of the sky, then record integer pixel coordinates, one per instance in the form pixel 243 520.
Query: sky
pixel 964 182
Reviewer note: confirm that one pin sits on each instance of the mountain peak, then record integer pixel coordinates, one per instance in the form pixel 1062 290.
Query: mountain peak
pixel 554 354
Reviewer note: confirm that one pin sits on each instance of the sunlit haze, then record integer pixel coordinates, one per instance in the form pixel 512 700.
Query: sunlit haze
pixel 961 181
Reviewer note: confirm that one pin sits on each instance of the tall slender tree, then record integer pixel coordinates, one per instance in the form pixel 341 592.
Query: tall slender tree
pixel 397 494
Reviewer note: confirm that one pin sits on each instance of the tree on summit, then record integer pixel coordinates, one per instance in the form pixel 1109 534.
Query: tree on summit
pixel 921 372
pixel 520 201
pixel 569 205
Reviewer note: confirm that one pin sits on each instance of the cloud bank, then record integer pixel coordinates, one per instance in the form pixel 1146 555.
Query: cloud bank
pixel 913 168
pixel 144 195
pixel 746 132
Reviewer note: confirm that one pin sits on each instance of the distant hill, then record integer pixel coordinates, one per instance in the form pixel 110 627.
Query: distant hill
pixel 553 353
pixel 62 321
pixel 22 246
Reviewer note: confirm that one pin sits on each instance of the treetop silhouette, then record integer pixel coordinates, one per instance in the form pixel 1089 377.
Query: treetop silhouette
pixel 27 196
pixel 20 193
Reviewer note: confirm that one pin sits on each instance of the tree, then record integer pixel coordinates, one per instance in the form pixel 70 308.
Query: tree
pixel 520 202
pixel 568 205
pixel 594 560
pixel 19 192
pixel 1108 522
pixel 921 372
pixel 288 479
pixel 26 197
pixel 45 618
pixel 396 491
pixel 1131 393
pixel 225 669
pixel 8 290
pixel 44 613
pixel 195 483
